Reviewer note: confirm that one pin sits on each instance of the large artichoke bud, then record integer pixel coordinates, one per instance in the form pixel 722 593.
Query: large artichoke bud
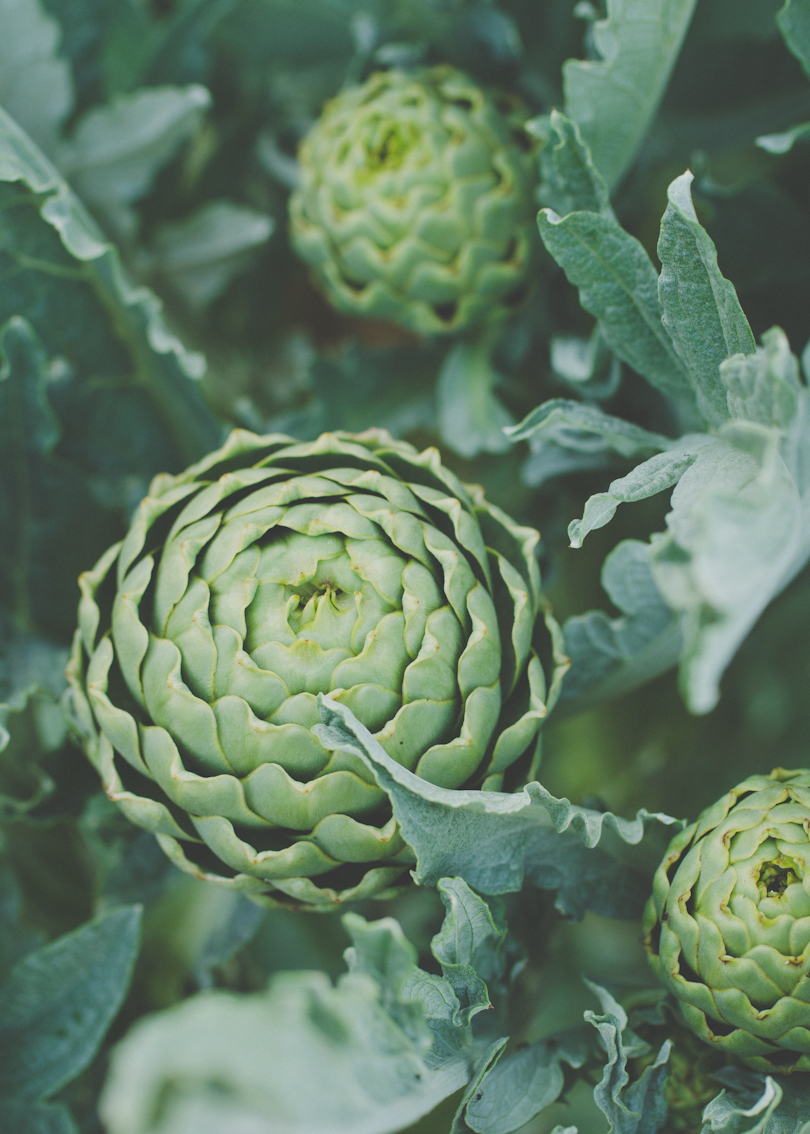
pixel 728 925
pixel 415 201
pixel 268 573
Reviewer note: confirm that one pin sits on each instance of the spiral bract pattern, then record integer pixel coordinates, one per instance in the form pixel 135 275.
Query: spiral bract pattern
pixel 273 571
pixel 728 926
pixel 414 201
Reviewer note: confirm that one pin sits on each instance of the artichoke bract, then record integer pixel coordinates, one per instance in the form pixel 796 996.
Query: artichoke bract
pixel 266 574
pixel 414 201
pixel 728 925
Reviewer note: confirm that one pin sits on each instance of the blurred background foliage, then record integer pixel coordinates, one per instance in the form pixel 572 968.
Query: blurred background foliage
pixel 176 122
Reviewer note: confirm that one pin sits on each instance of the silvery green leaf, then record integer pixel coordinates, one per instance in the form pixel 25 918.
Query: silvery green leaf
pixel 619 286
pixel 471 419
pixel 58 1002
pixel 523 1083
pixel 794 23
pixel 201 254
pixel 26 1117
pixel 116 150
pixel 485 1064
pixel 587 428
pixel 473 933
pixel 495 840
pixel 614 98
pixel 612 655
pixel 303 1056
pixel 78 280
pixel 468 946
pixel 700 307
pixel 782 142
pixel 738 532
pixel 36 87
pixel 647 479
pixel 640 1107
pixel 757 1104
pixel 569 180
pixel 763 387
pixel 381 950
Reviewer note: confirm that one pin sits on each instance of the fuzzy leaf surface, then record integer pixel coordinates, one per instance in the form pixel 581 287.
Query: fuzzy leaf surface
pixel 614 98
pixel 495 840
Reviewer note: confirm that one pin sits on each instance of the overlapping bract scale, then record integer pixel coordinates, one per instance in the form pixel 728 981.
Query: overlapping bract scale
pixel 271 572
pixel 728 926
pixel 414 201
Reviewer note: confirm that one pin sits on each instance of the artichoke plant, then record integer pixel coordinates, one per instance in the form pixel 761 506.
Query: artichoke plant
pixel 414 201
pixel 728 925
pixel 266 574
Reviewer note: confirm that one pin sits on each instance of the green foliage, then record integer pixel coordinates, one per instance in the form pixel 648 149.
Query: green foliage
pixel 151 301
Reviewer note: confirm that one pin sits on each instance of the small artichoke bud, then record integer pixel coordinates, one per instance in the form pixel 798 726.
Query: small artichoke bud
pixel 728 926
pixel 266 574
pixel 414 201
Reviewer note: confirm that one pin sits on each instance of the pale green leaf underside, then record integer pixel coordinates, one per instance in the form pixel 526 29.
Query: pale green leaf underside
pixel 614 99
pixel 495 840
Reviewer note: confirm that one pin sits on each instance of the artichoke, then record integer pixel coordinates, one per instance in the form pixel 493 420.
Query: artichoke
pixel 414 201
pixel 728 925
pixel 266 574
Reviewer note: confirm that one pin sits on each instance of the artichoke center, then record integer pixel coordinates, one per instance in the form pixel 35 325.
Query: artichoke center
pixel 775 876
pixel 388 145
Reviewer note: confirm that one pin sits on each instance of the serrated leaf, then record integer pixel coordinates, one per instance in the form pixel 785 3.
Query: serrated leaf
pixel 471 419
pixel 610 656
pixel 614 98
pixel 56 265
pixel 700 308
pixel 36 87
pixel 57 1003
pixel 619 286
pixel 630 1108
pixel 495 840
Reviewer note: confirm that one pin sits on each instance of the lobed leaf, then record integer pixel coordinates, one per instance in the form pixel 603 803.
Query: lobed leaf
pixel 495 840
pixel 614 98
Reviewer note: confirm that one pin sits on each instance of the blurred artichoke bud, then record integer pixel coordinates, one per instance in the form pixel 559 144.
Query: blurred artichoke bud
pixel 728 925
pixel 270 572
pixel 414 201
